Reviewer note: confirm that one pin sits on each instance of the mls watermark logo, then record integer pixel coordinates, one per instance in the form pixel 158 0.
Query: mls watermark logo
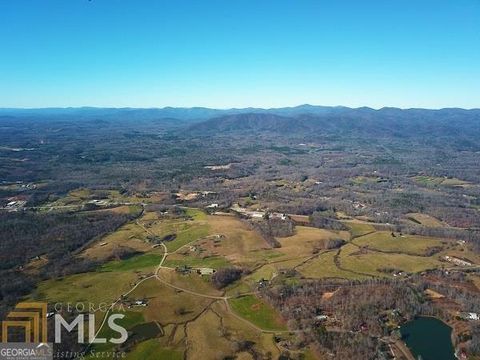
pixel 29 319
pixel 32 317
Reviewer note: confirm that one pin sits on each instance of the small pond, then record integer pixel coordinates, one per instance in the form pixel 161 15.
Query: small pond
pixel 429 338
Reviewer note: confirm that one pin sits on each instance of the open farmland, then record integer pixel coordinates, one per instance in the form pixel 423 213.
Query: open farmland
pixel 143 262
pixel 167 305
pixel 440 181
pixel 94 287
pixel 129 235
pixel 424 219
pixel 185 232
pixel 153 350
pixel 358 228
pixel 151 266
pixel 234 241
pixel 375 263
pixel 205 340
pixel 397 243
pixel 258 312
pixel 306 241
pixel 194 261
pixel 324 266
pixel 178 303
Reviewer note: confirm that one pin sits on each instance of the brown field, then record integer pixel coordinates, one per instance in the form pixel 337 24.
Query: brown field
pixel 129 235
pixel 206 338
pixel 179 336
pixel 239 244
pixel 370 262
pixel 192 282
pixel 300 219
pixel 239 330
pixel 324 267
pixel 266 272
pixel 408 244
pixel 187 196
pixel 305 240
pixel 124 209
pixel 92 287
pixel 167 305
pixel 358 228
pixel 425 220
pixel 433 294
pixel 328 295
pixel 463 253
pixel 34 265
pixel 455 182
pixel 204 326
pixel 476 281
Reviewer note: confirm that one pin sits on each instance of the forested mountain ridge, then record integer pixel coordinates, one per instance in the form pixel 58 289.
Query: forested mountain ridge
pixel 202 113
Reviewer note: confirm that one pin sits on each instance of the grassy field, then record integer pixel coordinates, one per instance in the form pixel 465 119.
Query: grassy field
pixel 92 287
pixel 192 282
pixel 408 244
pixel 424 219
pixel 131 319
pixel 204 327
pixel 324 267
pixel 454 182
pixel 362 180
pixel 239 288
pixel 239 330
pixel 134 263
pixel 370 262
pixel 435 181
pixel 153 350
pixel 124 209
pixel 305 240
pixel 167 305
pixel 215 262
pixel 271 255
pixel 358 228
pixel 185 231
pixel 81 195
pixel 129 235
pixel 205 338
pixel 428 180
pixel 196 214
pixel 135 237
pixel 257 312
pixel 462 252
pixel 238 244
pixel 267 271
pixel 476 280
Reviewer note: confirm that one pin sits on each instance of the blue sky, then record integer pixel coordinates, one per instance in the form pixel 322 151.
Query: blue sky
pixel 239 53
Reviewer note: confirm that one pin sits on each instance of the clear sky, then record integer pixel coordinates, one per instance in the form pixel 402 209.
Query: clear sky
pixel 239 53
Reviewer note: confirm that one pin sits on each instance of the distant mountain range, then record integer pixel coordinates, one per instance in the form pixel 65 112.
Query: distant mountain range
pixel 304 121
pixel 365 123
pixel 200 113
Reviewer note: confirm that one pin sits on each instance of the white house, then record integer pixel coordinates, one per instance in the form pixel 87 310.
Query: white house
pixel 473 316
pixel 205 271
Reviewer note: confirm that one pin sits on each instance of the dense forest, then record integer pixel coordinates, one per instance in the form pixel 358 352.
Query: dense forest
pixel 26 238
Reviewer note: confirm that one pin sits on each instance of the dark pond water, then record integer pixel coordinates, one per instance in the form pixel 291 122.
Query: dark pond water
pixel 145 331
pixel 429 338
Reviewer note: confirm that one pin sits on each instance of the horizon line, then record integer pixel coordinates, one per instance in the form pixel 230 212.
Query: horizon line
pixel 234 108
